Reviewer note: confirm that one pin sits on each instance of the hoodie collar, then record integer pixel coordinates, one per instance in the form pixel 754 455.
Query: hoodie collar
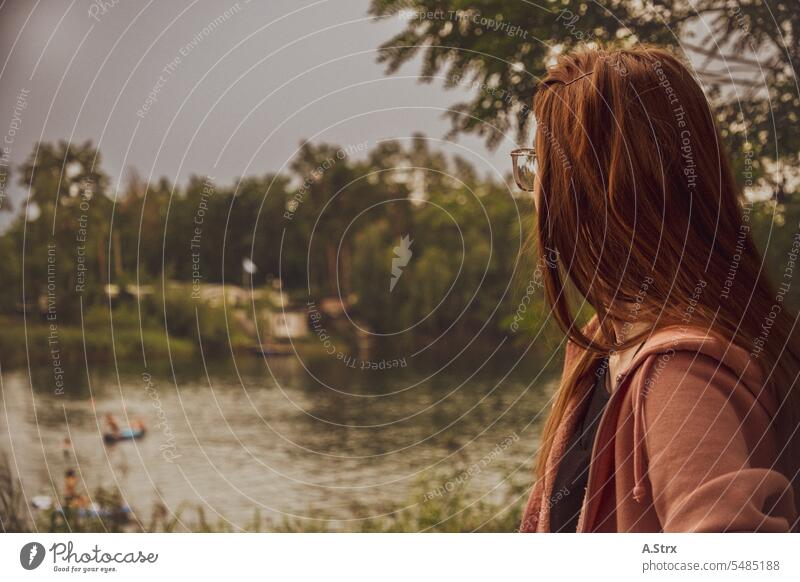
pixel 694 339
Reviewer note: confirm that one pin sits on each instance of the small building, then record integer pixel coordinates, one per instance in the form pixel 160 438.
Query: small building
pixel 287 324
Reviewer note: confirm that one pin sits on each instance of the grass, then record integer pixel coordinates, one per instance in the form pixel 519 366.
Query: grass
pixel 96 341
pixel 13 514
pixel 448 512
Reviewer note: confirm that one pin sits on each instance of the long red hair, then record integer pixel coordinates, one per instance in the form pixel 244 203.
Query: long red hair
pixel 639 205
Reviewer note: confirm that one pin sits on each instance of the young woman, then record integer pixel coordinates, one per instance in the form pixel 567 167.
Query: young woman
pixel 678 406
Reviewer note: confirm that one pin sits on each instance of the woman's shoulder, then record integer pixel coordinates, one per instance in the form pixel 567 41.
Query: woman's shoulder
pixel 690 343
pixel 697 362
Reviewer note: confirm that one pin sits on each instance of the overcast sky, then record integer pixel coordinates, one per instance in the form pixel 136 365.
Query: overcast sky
pixel 235 98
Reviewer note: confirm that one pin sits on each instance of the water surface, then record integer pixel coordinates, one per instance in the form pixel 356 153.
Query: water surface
pixel 294 438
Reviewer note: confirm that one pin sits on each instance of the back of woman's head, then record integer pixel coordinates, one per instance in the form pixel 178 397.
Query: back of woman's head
pixel 639 204
pixel 634 181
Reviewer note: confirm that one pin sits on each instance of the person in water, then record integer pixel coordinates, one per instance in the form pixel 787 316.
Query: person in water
pixel 138 424
pixel 678 407
pixel 71 497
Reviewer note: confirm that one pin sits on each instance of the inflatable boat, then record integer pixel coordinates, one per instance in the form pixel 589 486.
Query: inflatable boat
pixel 127 434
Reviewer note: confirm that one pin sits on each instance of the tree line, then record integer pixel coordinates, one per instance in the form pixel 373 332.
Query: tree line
pixel 330 227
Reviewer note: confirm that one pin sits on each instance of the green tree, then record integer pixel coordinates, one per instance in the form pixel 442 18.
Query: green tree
pixel 498 50
pixel 466 237
pixel 337 195
pixel 139 223
pixel 63 230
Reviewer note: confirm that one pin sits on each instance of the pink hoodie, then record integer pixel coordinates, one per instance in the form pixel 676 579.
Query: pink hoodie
pixel 685 445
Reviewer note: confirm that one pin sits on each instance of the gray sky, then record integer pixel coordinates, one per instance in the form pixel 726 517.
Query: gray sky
pixel 234 98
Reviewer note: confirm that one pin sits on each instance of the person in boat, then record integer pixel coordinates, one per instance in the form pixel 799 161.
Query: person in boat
pixel 112 426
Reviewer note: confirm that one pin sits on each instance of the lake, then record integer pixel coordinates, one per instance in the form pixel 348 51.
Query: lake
pixel 293 437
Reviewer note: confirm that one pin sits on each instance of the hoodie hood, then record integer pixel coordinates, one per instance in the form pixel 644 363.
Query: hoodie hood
pixel 657 350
